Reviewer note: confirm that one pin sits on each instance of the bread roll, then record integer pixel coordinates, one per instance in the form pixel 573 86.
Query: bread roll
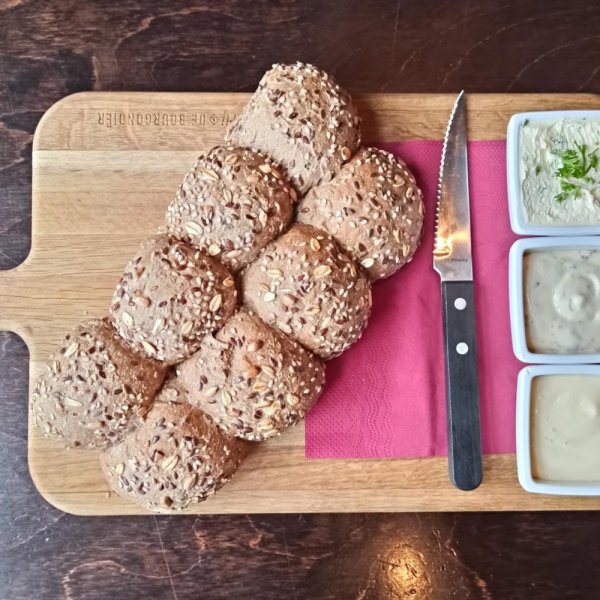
pixel 373 208
pixel 176 458
pixel 306 286
pixel 95 388
pixel 252 379
pixel 231 203
pixel 300 117
pixel 170 297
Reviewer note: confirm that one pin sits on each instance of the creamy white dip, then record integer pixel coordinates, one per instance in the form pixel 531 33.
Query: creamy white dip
pixel 562 301
pixel 542 148
pixel 565 428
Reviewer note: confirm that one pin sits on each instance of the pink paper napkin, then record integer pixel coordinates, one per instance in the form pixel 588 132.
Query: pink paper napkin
pixel 385 397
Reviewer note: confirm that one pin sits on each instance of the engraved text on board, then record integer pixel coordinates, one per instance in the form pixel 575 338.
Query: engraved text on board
pixel 112 119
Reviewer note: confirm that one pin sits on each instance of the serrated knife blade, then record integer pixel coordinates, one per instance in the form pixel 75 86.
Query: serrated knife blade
pixel 452 245
pixel 452 259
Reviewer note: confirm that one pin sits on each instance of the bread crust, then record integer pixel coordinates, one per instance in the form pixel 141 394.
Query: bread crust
pixel 177 457
pixel 230 204
pixel 307 287
pixel 374 210
pixel 251 379
pixel 303 119
pixel 170 296
pixel 95 388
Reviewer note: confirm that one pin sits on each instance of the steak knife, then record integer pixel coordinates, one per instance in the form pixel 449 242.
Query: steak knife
pixel 452 259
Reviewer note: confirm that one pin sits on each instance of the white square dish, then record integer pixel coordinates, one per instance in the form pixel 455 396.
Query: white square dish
pixel 523 433
pixel 517 297
pixel 518 222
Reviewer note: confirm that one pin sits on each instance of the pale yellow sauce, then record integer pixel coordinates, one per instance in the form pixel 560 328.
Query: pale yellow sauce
pixel 565 428
pixel 562 301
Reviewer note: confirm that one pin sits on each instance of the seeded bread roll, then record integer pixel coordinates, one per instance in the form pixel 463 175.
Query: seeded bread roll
pixel 95 388
pixel 231 204
pixel 306 286
pixel 176 458
pixel 252 379
pixel 374 210
pixel 301 118
pixel 170 297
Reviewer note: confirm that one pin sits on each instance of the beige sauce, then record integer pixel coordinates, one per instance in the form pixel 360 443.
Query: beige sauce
pixel 565 428
pixel 542 145
pixel 562 301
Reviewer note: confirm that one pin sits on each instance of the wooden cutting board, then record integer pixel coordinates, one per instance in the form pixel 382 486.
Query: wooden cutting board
pixel 105 166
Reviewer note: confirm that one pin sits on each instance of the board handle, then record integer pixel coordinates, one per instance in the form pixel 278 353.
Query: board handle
pixel 14 297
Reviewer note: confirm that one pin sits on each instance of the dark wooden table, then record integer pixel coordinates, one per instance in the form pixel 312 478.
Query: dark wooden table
pixel 51 49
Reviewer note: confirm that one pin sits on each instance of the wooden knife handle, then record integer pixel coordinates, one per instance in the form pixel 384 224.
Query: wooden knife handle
pixel 462 385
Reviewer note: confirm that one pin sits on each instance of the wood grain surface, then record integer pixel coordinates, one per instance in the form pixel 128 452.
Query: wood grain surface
pixel 49 49
pixel 105 166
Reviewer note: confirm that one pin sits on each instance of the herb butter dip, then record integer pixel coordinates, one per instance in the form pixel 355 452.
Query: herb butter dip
pixel 562 300
pixel 565 428
pixel 559 165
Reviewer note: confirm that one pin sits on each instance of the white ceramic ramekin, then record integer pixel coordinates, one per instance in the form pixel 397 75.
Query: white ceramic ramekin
pixel 523 433
pixel 517 297
pixel 518 222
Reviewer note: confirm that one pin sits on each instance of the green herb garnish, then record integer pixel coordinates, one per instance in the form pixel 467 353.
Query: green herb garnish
pixel 576 165
pixel 538 169
pixel 567 189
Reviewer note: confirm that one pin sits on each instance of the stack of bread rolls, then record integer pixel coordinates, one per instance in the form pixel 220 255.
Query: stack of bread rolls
pixel 220 324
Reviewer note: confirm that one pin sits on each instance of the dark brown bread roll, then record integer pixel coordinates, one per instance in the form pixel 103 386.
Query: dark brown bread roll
pixel 170 297
pixel 300 117
pixel 252 379
pixel 231 204
pixel 374 210
pixel 95 388
pixel 306 286
pixel 177 457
